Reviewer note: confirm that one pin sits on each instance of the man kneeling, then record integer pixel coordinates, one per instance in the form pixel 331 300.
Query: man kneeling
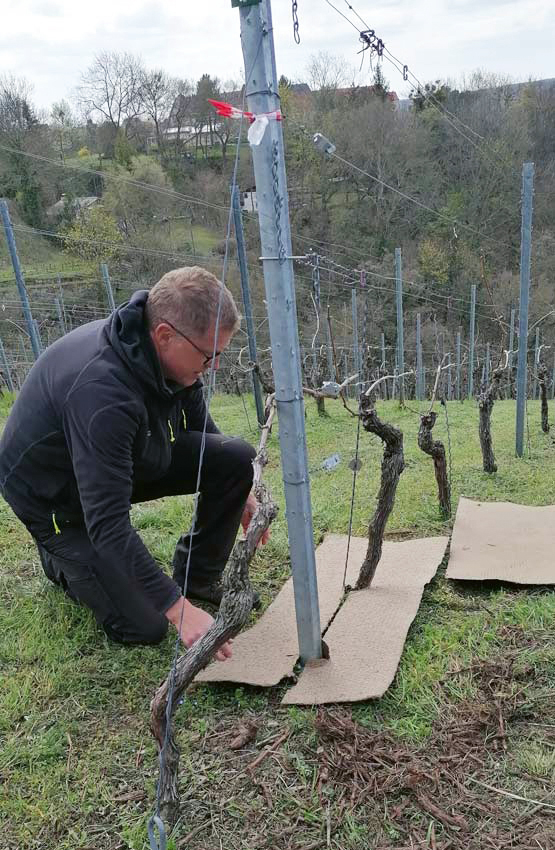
pixel 112 414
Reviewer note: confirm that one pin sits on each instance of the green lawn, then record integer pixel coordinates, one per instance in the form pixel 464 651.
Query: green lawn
pixel 40 260
pixel 472 703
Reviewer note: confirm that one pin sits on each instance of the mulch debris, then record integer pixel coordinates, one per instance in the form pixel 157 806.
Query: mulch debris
pixel 434 795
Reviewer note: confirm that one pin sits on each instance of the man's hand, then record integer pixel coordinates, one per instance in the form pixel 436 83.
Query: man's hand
pixel 250 507
pixel 194 624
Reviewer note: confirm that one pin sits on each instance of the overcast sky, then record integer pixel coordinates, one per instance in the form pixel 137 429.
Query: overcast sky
pixel 50 42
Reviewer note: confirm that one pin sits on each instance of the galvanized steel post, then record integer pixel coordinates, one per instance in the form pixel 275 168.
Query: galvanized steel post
pixel 458 367
pixel 108 286
pixel 6 368
pixel 245 290
pixel 510 356
pixel 525 251
pixel 355 332
pixel 536 364
pixel 471 341
pixel 418 359
pixel 261 86
pixel 400 338
pixel 19 279
pixel 60 312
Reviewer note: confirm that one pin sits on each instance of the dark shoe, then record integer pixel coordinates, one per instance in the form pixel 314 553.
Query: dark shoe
pixel 47 565
pixel 212 592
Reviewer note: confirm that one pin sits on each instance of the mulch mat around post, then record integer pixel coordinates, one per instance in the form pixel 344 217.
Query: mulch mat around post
pixel 434 796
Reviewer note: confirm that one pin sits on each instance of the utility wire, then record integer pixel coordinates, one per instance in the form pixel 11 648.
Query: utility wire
pixel 404 70
pixel 451 221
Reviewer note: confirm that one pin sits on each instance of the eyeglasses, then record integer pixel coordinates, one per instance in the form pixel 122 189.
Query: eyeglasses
pixel 208 358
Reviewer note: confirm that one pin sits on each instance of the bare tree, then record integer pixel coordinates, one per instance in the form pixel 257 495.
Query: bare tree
pixel 327 72
pixel 22 132
pixel 62 125
pixel 180 119
pixel 111 87
pixel 17 114
pixel 158 94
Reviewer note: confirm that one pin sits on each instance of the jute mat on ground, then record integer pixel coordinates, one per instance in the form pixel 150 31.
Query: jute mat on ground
pixel 267 653
pixel 503 541
pixel 367 636
pixel 370 635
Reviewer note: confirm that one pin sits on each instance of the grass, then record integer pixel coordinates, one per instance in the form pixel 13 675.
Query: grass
pixel 77 761
pixel 177 235
pixel 41 260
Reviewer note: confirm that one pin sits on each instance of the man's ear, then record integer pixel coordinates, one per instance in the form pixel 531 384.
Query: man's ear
pixel 161 335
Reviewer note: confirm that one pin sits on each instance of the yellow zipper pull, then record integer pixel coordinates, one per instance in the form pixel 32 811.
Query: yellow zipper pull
pixel 55 524
pixel 172 438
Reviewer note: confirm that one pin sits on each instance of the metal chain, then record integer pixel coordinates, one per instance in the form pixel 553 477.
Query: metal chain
pixel 296 35
pixel 278 201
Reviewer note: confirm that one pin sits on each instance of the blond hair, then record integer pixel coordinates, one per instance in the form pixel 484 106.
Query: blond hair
pixel 190 298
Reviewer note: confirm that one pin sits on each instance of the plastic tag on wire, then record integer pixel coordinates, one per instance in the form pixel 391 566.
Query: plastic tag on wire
pixel 257 129
pixel 258 122
pixel 331 389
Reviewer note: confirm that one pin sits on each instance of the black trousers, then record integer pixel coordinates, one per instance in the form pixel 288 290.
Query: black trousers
pixel 121 606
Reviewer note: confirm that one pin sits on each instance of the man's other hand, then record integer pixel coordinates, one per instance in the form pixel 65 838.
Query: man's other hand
pixel 192 623
pixel 250 507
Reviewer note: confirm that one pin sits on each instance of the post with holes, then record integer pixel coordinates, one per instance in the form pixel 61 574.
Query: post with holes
pixel 400 340
pixel 365 358
pixel 510 360
pixel 458 367
pixel 395 373
pixel 261 86
pixel 60 312
pixel 12 248
pixel 536 364
pixel 383 365
pixel 108 286
pixel 331 365
pixel 418 359
pixel 245 290
pixel 525 250
pixel 61 300
pixel 356 349
pixel 37 335
pixel 6 368
pixel 471 341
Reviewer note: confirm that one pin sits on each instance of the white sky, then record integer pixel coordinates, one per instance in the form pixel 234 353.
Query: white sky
pixel 50 42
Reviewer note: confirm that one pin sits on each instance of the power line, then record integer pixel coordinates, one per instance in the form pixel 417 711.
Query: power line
pixel 118 178
pixel 408 294
pixel 452 221
pixel 404 70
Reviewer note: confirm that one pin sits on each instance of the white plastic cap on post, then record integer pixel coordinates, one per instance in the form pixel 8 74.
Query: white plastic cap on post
pixel 324 145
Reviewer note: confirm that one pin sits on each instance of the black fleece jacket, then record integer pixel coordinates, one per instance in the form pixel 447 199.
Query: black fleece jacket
pixel 93 415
